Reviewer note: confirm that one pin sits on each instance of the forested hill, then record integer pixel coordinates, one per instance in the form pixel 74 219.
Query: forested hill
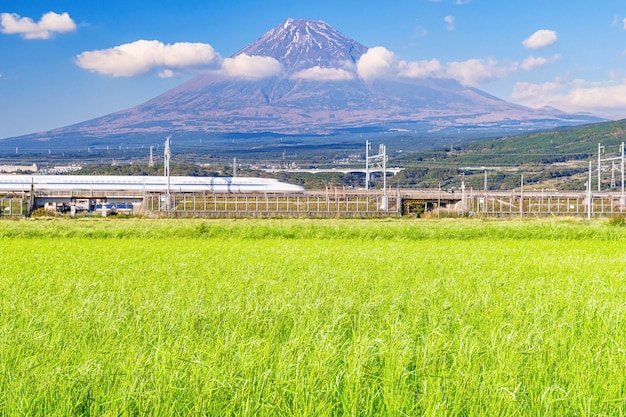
pixel 545 147
pixel 557 159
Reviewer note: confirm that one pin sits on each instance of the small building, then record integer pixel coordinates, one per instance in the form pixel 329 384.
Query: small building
pixel 18 168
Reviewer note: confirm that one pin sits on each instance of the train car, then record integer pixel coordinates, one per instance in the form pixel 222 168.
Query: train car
pixel 175 184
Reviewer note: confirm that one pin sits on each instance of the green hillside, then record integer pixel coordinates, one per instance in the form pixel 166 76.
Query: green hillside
pixel 556 159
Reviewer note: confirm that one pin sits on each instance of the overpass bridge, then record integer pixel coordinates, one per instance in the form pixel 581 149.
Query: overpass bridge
pixel 346 170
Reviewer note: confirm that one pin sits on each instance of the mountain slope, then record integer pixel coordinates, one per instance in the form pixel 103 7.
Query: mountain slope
pixel 317 91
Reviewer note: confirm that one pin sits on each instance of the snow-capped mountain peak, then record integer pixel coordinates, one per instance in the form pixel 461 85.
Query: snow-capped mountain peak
pixel 302 44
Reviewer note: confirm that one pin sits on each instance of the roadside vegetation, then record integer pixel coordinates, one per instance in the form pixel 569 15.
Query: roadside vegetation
pixel 312 318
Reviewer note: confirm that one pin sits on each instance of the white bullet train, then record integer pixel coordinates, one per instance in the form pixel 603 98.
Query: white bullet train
pixel 19 183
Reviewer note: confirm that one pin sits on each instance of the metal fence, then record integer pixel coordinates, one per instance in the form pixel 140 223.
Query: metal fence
pixel 358 203
pixel 273 205
pixel 14 206
pixel 535 204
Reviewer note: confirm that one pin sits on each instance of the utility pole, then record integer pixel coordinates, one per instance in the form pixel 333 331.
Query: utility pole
pixel 485 188
pixel 621 200
pixel 463 203
pixel 167 155
pixel 368 146
pixel 151 163
pixel 600 152
pixel 589 193
pixel 382 150
pixel 382 155
pixel 612 159
pixel 521 198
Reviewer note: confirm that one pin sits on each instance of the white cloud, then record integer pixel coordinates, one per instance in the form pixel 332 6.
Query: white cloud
pixel 475 71
pixel 168 73
pixel 141 56
pixel 375 63
pixel 50 23
pixel 540 39
pixel 532 62
pixel 246 66
pixel 421 69
pixel 574 96
pixel 450 20
pixel 603 97
pixel 379 62
pixel 534 95
pixel 324 74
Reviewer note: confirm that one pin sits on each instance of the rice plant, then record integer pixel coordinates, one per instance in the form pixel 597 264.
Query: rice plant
pixel 312 318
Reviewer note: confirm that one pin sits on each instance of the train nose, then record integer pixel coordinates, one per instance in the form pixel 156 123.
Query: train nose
pixel 291 188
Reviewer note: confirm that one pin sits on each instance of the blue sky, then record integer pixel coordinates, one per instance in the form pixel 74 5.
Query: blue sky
pixel 63 62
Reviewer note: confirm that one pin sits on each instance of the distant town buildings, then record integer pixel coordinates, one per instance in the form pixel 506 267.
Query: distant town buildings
pixel 24 169
pixel 61 169
pixel 18 168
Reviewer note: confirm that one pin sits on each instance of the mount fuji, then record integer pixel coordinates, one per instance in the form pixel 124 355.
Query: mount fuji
pixel 305 78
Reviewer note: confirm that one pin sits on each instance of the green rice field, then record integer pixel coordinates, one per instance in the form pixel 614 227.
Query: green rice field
pixel 138 317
